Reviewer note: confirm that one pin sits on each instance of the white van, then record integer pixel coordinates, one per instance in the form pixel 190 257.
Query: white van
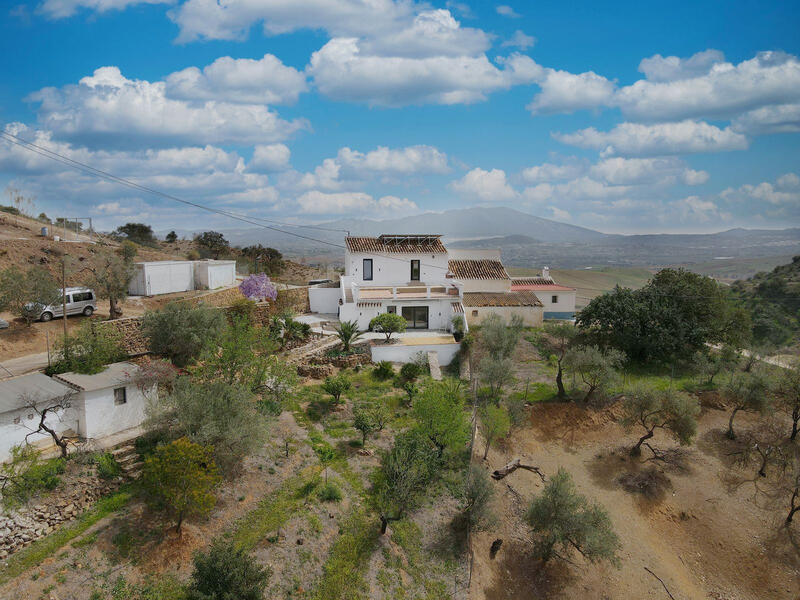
pixel 79 301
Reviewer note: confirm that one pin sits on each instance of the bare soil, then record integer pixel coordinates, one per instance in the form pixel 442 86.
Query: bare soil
pixel 708 532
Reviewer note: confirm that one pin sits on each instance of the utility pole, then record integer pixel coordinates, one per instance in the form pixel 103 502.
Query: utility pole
pixel 64 295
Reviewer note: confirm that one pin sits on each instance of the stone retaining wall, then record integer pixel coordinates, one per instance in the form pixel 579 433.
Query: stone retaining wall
pixel 294 300
pixel 25 525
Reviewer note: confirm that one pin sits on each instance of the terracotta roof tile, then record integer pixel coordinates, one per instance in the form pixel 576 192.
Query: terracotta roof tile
pixel 478 269
pixel 400 244
pixel 538 284
pixel 478 299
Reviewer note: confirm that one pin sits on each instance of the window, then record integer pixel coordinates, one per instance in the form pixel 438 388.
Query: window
pixel 416 316
pixel 17 420
pixel 119 396
pixel 554 299
pixel 81 296
pixel 367 269
pixel 391 309
pixel 414 270
pixel 474 313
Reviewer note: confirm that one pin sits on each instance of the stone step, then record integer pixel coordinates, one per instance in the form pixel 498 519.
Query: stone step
pixel 123 451
pixel 128 459
pixel 433 363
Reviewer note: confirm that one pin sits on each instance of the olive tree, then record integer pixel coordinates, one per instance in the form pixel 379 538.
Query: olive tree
pixel 388 323
pixel 494 423
pixel 364 422
pixel 596 369
pixel 226 571
pixel 561 335
pixel 711 364
pixel 402 478
pixel 214 414
pixel 496 373
pixel 748 392
pixel 110 278
pixel 673 411
pixel 180 477
pixel 440 418
pixel 26 293
pixel 182 332
pixel 336 385
pixel 562 520
pixel 789 396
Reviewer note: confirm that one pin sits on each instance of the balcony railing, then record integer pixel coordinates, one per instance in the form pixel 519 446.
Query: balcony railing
pixel 353 292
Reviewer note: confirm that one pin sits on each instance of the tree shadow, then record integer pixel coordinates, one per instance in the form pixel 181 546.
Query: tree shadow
pixel 518 575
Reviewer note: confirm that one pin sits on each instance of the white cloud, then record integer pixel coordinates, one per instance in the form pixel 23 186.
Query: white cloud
pixel 694 209
pixel 552 172
pixel 781 118
pixel 320 203
pixel 635 139
pixel 580 189
pixel 520 40
pixel 488 186
pixel 559 214
pixel 270 158
pixel 565 92
pixel 725 91
pixel 59 9
pixel 506 11
pixel 343 72
pixel 672 68
pixel 665 171
pixel 210 19
pixel 431 33
pixel 243 80
pixel 406 161
pixel 784 192
pixel 124 112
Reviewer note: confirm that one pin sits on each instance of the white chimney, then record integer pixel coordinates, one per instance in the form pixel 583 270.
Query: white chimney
pixel 546 272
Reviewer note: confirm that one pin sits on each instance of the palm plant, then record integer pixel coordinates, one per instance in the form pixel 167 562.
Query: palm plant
pixel 348 333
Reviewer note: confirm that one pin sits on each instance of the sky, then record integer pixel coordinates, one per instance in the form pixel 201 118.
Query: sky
pixel 628 117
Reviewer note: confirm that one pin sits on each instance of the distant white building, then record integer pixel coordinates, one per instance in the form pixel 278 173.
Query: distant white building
pixel 169 276
pixel 558 300
pixel 109 403
pixel 415 276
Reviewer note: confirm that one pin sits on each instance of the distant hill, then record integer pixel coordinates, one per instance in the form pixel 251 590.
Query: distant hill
pixel 773 298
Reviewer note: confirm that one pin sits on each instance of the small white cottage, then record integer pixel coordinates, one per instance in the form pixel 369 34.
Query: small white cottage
pixel 94 407
pixel 109 402
pixel 21 400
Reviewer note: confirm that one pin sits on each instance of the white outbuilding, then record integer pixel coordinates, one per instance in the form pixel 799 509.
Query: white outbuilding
pixel 170 276
pixel 213 274
pixel 162 277
pixel 108 402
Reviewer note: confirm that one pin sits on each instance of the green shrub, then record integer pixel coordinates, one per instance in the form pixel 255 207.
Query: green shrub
pixel 383 370
pixel 226 572
pixel 182 332
pixel 88 351
pixel 107 466
pixel 410 372
pixel 242 308
pixel 26 475
pixel 330 492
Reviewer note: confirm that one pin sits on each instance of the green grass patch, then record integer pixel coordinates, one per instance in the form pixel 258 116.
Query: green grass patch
pixel 274 510
pixel 34 554
pixel 343 573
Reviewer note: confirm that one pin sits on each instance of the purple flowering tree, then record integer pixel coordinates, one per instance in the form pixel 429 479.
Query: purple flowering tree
pixel 258 288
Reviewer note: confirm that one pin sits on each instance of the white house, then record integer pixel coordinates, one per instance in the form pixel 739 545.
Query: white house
pixel 18 417
pixel 169 276
pixel 108 402
pixel 558 300
pixel 415 276
pixel 90 406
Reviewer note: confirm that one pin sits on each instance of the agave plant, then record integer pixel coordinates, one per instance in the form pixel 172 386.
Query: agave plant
pixel 348 334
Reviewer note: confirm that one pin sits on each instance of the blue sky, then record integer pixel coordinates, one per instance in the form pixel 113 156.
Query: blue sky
pixel 629 117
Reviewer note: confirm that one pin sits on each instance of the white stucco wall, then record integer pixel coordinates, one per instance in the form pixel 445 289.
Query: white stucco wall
pixel 395 268
pixel 163 277
pixel 324 299
pixel 439 311
pixel 532 316
pixel 486 285
pixel 404 354
pixel 214 274
pixel 565 304
pixel 101 417
pixel 12 434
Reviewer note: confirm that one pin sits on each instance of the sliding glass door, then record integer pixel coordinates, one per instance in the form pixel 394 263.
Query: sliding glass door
pixel 417 316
